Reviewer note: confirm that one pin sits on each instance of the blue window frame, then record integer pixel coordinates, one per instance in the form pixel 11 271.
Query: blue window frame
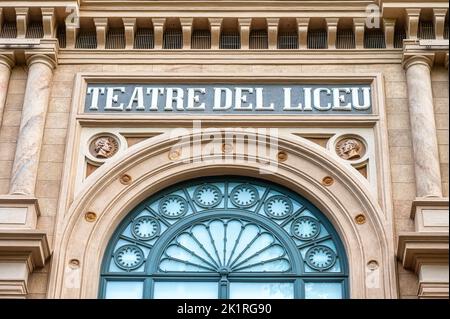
pixel 225 237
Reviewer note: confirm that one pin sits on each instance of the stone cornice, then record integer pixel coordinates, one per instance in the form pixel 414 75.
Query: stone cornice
pixel 29 245
pixel 21 50
pixel 415 249
pixel 20 199
pixel 229 57
pixel 7 58
pixel 426 52
pixel 428 201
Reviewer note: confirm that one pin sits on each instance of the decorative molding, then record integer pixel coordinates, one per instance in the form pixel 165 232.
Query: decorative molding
pixel 26 208
pixel 427 201
pixel 415 249
pixel 411 59
pixel 7 59
pixel 433 290
pixel 21 251
pixel 30 246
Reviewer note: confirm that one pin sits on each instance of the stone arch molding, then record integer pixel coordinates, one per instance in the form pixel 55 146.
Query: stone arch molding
pixel 80 242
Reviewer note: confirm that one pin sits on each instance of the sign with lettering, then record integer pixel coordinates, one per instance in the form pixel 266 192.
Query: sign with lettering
pixel 218 98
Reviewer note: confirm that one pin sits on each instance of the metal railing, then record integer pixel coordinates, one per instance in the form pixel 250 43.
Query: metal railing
pixel 258 40
pixel 426 30
pixel 115 39
pixel 173 39
pixel 374 39
pixel 317 39
pixel 9 30
pixel 61 34
pixel 399 36
pixel 201 39
pixel 86 40
pixel 345 39
pixel 230 40
pixel 287 40
pixel 35 30
pixel 144 39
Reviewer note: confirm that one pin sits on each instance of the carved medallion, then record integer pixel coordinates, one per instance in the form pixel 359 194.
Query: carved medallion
pixel 104 147
pixel 350 149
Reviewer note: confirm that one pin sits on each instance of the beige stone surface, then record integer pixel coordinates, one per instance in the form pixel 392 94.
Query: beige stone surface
pixel 37 92
pixel 52 161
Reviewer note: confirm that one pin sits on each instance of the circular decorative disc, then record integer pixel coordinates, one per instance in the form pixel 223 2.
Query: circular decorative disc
pixel 207 196
pixel 278 207
pixel 173 206
pixel 104 146
pixel 129 257
pixel 350 148
pixel 320 257
pixel 305 228
pixel 145 228
pixel 244 195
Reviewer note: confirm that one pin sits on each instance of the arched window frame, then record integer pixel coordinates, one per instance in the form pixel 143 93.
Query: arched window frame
pixel 298 276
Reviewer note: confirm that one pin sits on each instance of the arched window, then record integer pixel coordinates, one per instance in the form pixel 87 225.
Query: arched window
pixel 225 237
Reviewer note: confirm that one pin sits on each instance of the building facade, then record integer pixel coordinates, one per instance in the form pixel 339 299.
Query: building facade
pixel 224 149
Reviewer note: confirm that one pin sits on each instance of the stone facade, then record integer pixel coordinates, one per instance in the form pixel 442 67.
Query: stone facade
pixel 42 134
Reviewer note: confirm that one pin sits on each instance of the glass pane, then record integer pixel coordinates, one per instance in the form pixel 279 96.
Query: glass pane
pixel 261 290
pixel 323 290
pixel 186 290
pixel 124 290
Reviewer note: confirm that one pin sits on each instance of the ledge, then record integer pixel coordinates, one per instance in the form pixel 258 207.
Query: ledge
pixel 415 249
pixel 227 57
pixel 427 202
pixel 29 245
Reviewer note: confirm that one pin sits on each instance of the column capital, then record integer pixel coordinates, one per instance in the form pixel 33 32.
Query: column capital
pixel 303 22
pixel 272 22
pixel 332 21
pixel 129 22
pixel 186 22
pixel 8 60
pixel 358 22
pixel 388 22
pixel 101 22
pixel 215 22
pixel 41 58
pixel 413 12
pixel 245 22
pixel 426 59
pixel 158 22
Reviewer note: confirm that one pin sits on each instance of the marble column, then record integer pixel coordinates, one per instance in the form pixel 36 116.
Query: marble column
pixel 6 65
pixel 35 104
pixel 423 127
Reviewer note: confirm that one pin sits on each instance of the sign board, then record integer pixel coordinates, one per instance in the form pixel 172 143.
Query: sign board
pixel 221 99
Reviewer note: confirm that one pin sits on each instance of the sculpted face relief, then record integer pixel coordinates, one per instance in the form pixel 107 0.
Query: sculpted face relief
pixel 229 99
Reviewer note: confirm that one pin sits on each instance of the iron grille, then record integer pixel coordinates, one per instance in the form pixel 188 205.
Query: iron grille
pixel 345 39
pixel 426 30
pixel 201 39
pixel 86 40
pixel 144 39
pixel 173 39
pixel 230 40
pixel 288 40
pixel 35 30
pixel 446 29
pixel 9 30
pixel 61 34
pixel 258 39
pixel 374 39
pixel 317 39
pixel 115 38
pixel 399 36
